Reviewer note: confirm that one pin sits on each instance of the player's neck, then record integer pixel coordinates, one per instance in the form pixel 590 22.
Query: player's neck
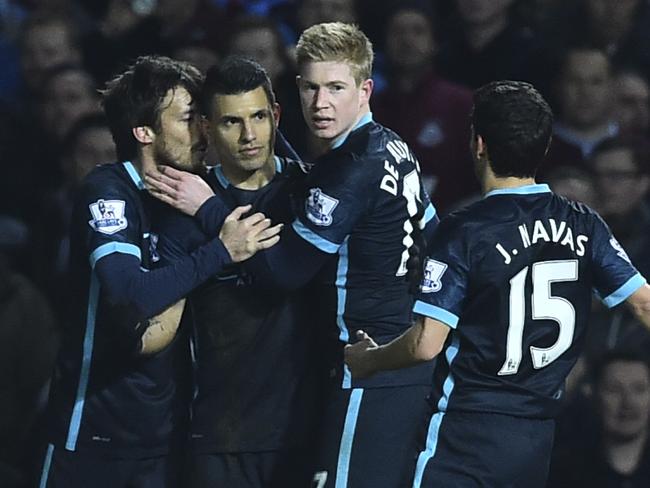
pixel 492 182
pixel 325 145
pixel 250 180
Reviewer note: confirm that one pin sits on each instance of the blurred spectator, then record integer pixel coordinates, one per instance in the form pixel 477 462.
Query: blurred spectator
pixel 575 184
pixel 618 456
pixel 618 27
pixel 311 12
pixel 584 108
pixel 259 39
pixel 632 102
pixel 430 113
pixel 28 345
pixel 47 41
pixel 68 93
pixel 621 168
pixel 196 54
pixel 484 42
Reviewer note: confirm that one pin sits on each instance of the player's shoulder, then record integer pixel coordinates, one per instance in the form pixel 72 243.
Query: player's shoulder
pixel 108 178
pixel 292 168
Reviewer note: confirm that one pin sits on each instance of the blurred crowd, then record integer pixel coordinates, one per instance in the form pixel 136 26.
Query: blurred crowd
pixel 590 58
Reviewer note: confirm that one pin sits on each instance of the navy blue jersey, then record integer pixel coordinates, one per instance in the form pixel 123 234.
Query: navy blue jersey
pixel 362 203
pixel 105 394
pixel 513 275
pixel 252 345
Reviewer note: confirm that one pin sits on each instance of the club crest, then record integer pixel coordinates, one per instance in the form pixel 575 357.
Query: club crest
pixel 433 271
pixel 108 216
pixel 319 207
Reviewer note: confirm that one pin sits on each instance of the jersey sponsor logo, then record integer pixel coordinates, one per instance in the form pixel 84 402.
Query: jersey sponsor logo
pixel 108 216
pixel 433 271
pixel 619 249
pixel 319 207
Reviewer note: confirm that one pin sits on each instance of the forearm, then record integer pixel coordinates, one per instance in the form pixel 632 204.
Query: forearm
pixel 639 301
pixel 145 294
pixel 211 216
pixel 162 329
pixel 407 350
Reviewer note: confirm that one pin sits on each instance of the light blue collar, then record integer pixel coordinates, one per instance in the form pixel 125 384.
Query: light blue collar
pixel 135 176
pixel 223 180
pixel 520 190
pixel 367 118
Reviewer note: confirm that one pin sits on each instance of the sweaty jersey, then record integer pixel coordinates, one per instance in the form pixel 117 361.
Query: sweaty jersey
pixel 106 395
pixel 252 346
pixel 513 275
pixel 361 204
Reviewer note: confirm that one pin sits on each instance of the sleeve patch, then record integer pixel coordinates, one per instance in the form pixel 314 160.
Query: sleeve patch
pixel 319 207
pixel 433 271
pixel 619 249
pixel 108 216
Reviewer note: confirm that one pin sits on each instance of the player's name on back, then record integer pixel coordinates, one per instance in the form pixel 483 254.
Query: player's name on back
pixel 546 231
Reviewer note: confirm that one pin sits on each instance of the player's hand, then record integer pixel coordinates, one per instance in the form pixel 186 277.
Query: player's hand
pixel 243 237
pixel 358 356
pixel 180 189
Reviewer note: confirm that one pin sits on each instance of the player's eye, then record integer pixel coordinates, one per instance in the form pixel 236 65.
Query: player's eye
pixel 229 121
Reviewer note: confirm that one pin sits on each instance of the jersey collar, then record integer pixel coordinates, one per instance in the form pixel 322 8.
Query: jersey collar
pixel 224 182
pixel 135 176
pixel 367 118
pixel 520 190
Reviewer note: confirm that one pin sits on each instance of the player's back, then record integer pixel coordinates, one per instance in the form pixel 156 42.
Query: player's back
pixel 517 271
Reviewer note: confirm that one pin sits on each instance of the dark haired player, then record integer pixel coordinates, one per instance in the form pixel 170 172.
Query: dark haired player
pixel 506 296
pixel 254 390
pixel 116 411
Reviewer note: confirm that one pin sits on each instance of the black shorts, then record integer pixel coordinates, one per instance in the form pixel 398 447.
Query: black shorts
pixel 273 469
pixel 468 450
pixel 84 469
pixel 370 436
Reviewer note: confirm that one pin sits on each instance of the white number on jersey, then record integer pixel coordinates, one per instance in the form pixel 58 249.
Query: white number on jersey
pixel 544 307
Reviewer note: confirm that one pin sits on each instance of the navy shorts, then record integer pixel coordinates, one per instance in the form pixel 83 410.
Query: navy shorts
pixel 84 469
pixel 369 437
pixel 271 469
pixel 468 450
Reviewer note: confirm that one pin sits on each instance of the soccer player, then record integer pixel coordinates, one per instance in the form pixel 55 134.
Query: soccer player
pixel 361 209
pixel 506 295
pixel 251 414
pixel 116 412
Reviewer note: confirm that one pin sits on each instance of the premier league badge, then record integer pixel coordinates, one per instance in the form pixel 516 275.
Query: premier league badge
pixel 319 207
pixel 108 216
pixel 433 271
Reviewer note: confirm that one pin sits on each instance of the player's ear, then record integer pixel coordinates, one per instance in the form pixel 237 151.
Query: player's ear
pixel 277 111
pixel 143 134
pixel 366 90
pixel 480 148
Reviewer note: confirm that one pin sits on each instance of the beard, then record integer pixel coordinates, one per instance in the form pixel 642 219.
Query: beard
pixel 165 157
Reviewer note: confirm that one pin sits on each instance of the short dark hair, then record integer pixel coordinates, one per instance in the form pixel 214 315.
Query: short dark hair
pixel 516 124
pixel 232 76
pixel 616 356
pixel 134 97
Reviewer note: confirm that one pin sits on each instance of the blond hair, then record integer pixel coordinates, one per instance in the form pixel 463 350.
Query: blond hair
pixel 337 41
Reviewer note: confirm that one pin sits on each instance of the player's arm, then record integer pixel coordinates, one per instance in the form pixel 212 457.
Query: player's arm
pixel 161 329
pixel 144 294
pixel 639 302
pixel 422 342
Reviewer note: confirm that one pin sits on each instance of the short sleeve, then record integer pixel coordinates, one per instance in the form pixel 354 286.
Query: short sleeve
pixel 337 194
pixel 446 271
pixel 111 219
pixel 615 277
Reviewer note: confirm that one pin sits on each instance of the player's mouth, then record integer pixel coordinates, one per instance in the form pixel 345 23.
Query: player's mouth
pixel 251 152
pixel 322 122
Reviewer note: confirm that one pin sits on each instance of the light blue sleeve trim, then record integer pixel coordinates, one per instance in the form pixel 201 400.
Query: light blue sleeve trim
pixel 429 213
pixel 112 247
pixel 314 239
pixel 437 313
pixel 135 176
pixel 624 292
pixel 278 164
